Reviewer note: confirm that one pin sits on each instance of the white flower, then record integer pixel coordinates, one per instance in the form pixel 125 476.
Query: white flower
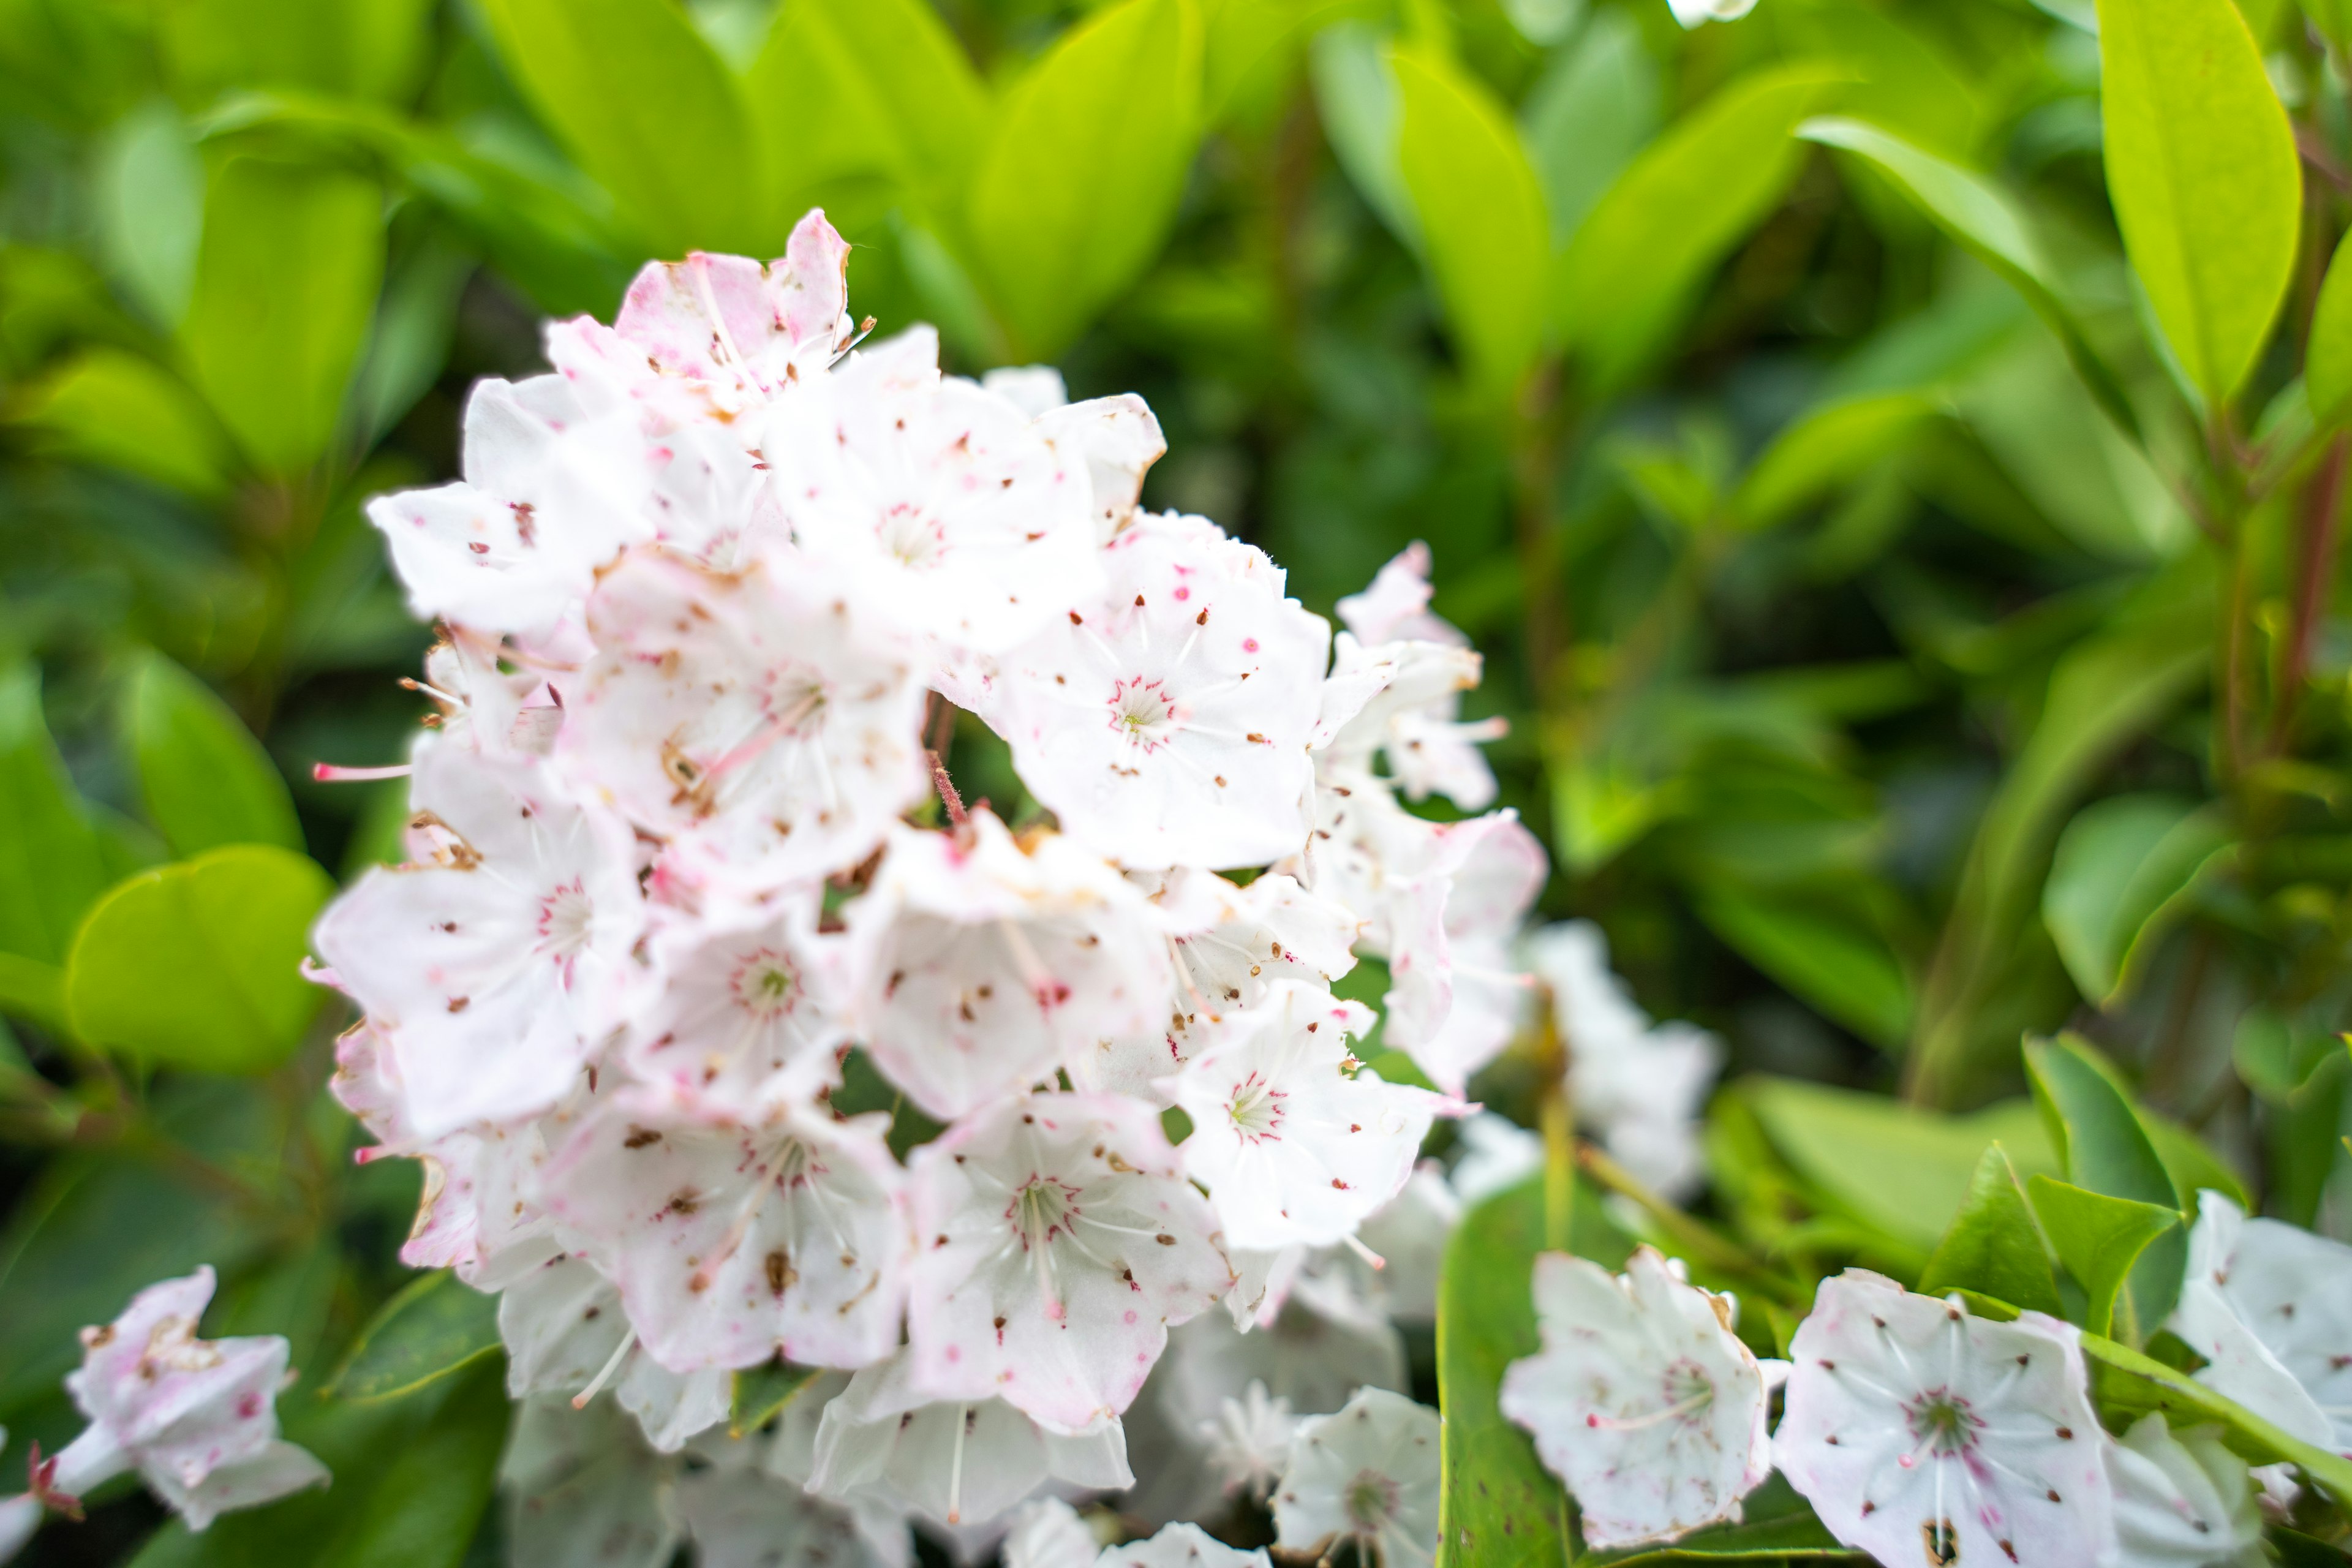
pixel 1409 1235
pixel 1048 1532
pixel 1395 607
pixel 1643 1400
pixel 553 491
pixel 750 1010
pixel 1494 1153
pixel 1312 1344
pixel 1696 12
pixel 1181 1546
pixel 1056 1242
pixel 735 1235
pixel 567 1333
pixel 740 1516
pixel 1367 1473
pixel 583 1486
pixel 958 1462
pixel 2270 1309
pixel 752 719
pixel 197 1419
pixel 984 963
pixel 1166 720
pixel 1249 1441
pixel 1035 389
pixel 1119 439
pixel 1295 1142
pixel 1919 1433
pixel 1400 700
pixel 2182 1500
pixel 946 508
pixel 494 973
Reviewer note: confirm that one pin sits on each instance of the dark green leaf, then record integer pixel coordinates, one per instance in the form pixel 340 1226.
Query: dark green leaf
pixel 286 282
pixel 2102 1147
pixel 104 406
pixel 2099 1238
pixel 1793 1537
pixel 198 964
pixel 423 1508
pixel 1081 178
pixel 2203 169
pixel 761 1392
pixel 1991 1246
pixel 1829 447
pixel 52 866
pixel 1842 967
pixel 204 778
pixel 2129 1383
pixel 2121 872
pixel 437 1325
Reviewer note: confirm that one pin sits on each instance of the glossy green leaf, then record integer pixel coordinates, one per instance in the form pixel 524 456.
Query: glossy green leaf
pixel 1497 1504
pixel 1791 1537
pixel 426 1505
pixel 204 780
pixel 1904 1171
pixel 1480 213
pixel 2119 875
pixel 2202 170
pixel 1080 179
pixel 1674 215
pixel 1981 216
pixel 2102 1147
pixel 650 110
pixel 1993 1247
pixel 1838 964
pixel 371 49
pixel 285 284
pixel 2129 1383
pixel 1829 447
pixel 198 964
pixel 1595 107
pixel 109 408
pixel 759 1393
pixel 52 866
pixel 437 1326
pixel 2327 357
pixel 2277 1058
pixel 1356 95
pixel 151 189
pixel 2099 1238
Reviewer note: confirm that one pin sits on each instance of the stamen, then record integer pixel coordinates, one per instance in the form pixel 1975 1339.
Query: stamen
pixel 955 1468
pixel 596 1384
pixel 1370 1257
pixel 330 773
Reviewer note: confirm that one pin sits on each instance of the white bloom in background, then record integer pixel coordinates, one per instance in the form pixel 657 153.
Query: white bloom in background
pixel 1913 1428
pixel 494 973
pixel 739 1517
pixel 1048 1532
pixel 1395 606
pixel 1035 389
pixel 1165 720
pixel 1295 1140
pixel 1056 1242
pixel 1367 1473
pixel 1408 1234
pixel 738 1235
pixel 753 718
pixel 2182 1500
pixel 983 962
pixel 553 491
pixel 2270 1309
pixel 583 1486
pixel 567 1333
pixel 196 1419
pixel 1643 1400
pixel 1697 12
pixel 1493 1155
pixel 1181 1546
pixel 1456 1000
pixel 958 1462
pixel 749 1010
pixel 1312 1344
pixel 1249 1442
pixel 944 506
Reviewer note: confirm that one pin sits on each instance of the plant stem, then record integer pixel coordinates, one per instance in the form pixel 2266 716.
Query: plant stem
pixel 2322 500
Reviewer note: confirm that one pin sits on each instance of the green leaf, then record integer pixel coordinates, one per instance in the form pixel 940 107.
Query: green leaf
pixel 1793 1537
pixel 2102 1147
pixel 107 406
pixel 32 990
pixel 2202 170
pixel 2327 358
pixel 1356 96
pixel 2129 1383
pixel 1593 109
pixel 1991 1246
pixel 52 865
pixel 1079 183
pixel 2120 875
pixel 1980 215
pixel 1904 1171
pixel 761 1393
pixel 2100 1239
pixel 1497 1504
pixel 150 192
pixel 285 284
pixel 1481 216
pixel 198 964
pixel 1674 214
pixel 437 1326
pixel 1837 963
pixel 650 110
pixel 204 778
pixel 424 1508
pixel 1829 447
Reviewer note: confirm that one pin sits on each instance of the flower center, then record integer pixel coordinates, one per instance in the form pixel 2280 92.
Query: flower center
pixel 910 537
pixel 566 920
pixel 1371 1502
pixel 766 985
pixel 1143 714
pixel 1944 1421
pixel 1256 1110
pixel 1041 1211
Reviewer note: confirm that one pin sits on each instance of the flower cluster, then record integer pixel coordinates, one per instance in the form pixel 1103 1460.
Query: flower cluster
pixel 687 868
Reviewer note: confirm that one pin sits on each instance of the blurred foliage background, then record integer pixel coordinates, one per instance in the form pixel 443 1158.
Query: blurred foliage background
pixel 1904 648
